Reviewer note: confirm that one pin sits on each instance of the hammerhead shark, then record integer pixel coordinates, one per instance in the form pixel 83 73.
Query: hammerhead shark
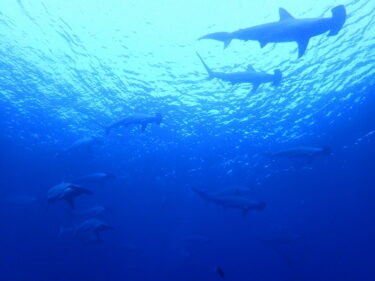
pixel 287 29
pixel 234 202
pixel 88 231
pixel 248 76
pixel 138 119
pixel 306 152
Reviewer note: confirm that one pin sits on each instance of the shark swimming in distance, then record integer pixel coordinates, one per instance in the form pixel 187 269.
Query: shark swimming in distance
pixel 88 231
pixel 137 119
pixel 66 191
pixel 305 152
pixel 234 202
pixel 248 76
pixel 287 29
pixel 99 177
pixel 82 144
pixel 93 212
pixel 236 190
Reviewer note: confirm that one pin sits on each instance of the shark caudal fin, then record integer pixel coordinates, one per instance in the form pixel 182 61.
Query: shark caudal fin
pixel 278 76
pixel 224 37
pixel 209 71
pixel 338 19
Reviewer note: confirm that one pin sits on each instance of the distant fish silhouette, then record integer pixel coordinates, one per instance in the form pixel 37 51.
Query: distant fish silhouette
pixel 235 202
pixel 93 212
pixel 82 144
pixel 287 29
pixel 235 190
pixel 137 119
pixel 66 191
pixel 306 152
pixel 89 230
pixel 99 177
pixel 248 76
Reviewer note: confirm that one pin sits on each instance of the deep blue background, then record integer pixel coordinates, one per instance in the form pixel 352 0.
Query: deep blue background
pixel 330 202
pixel 67 68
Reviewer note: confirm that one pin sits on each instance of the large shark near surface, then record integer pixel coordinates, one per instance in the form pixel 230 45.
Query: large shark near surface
pixel 234 202
pixel 248 76
pixel 287 29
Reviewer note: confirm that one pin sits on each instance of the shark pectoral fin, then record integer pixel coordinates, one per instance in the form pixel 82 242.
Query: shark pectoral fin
pixel 284 14
pixel 255 88
pixel 262 43
pixel 302 45
pixel 226 43
pixel 70 202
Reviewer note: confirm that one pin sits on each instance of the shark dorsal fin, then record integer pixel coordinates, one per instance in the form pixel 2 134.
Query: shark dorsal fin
pixel 284 14
pixel 250 68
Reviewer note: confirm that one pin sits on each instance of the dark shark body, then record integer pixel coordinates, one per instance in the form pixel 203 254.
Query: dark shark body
pixel 139 119
pixel 287 29
pixel 235 202
pixel 66 191
pixel 236 190
pixel 248 76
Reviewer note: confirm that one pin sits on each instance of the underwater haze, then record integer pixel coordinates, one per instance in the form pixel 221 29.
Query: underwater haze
pixel 125 156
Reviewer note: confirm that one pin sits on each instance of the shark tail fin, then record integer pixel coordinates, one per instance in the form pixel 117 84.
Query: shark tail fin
pixel 338 19
pixel 278 76
pixel 209 71
pixel 224 37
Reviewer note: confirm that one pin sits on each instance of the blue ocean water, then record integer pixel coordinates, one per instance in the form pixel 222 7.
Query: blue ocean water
pixel 68 68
